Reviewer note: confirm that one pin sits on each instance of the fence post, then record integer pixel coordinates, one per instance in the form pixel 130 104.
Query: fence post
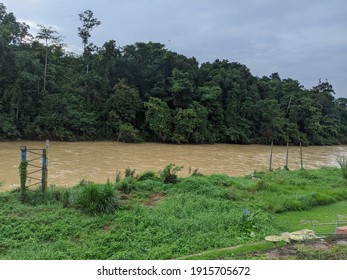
pixel 46 165
pixel 302 165
pixel 286 166
pixel 270 166
pixel 23 159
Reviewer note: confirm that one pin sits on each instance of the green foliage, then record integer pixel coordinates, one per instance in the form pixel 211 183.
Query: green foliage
pixel 127 133
pixel 129 172
pixel 148 175
pixel 127 185
pixel 143 90
pixel 169 173
pixel 157 221
pixel 343 164
pixel 93 199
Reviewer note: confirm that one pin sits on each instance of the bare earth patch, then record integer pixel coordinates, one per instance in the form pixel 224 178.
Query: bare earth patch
pixel 155 198
pixel 291 251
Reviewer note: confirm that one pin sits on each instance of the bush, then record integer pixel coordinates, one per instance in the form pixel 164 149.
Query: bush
pixel 148 175
pixel 94 199
pixel 343 164
pixel 127 185
pixel 129 134
pixel 168 174
pixel 129 172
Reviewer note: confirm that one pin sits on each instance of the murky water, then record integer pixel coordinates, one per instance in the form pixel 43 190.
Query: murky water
pixel 69 163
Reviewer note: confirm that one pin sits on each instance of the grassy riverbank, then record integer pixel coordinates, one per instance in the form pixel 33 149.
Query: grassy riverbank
pixel 144 217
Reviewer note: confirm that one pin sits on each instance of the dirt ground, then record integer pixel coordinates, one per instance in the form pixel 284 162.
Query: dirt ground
pixel 322 248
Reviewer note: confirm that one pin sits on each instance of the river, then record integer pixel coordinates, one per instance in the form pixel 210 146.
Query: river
pixel 70 162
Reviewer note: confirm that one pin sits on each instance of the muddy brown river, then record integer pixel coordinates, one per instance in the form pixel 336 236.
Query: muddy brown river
pixel 70 162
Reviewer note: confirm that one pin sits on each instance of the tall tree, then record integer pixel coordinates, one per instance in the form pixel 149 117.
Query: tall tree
pixel 49 36
pixel 89 23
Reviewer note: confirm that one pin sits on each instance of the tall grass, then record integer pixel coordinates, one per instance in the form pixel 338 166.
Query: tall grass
pixel 343 164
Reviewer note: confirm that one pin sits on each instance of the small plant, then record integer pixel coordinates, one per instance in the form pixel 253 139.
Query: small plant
pixel 247 221
pixel 147 175
pixel 127 185
pixel 94 199
pixel 343 164
pixel 129 172
pixel 168 174
pixel 118 176
pixel 194 172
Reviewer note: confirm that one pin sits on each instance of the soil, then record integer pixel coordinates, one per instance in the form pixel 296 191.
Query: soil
pixel 154 199
pixel 290 251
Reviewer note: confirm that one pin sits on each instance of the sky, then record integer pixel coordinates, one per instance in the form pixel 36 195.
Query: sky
pixel 305 40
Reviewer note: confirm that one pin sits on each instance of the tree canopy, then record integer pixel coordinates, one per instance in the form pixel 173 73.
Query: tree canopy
pixel 146 92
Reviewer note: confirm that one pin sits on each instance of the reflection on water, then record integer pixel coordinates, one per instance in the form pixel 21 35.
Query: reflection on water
pixel 69 163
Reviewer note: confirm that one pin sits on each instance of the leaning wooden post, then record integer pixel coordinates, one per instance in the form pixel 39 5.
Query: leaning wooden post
pixel 301 162
pixel 286 166
pixel 44 167
pixel 270 165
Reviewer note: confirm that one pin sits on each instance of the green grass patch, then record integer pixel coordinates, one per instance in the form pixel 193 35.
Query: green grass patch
pixel 292 221
pixel 147 217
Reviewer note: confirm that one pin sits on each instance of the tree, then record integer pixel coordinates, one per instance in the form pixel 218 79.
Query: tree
pixel 158 118
pixel 89 23
pixel 123 105
pixel 49 36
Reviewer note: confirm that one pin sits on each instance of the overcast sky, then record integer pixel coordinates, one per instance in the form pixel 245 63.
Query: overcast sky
pixel 300 39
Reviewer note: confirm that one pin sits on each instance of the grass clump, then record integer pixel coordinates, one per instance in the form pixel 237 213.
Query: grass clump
pixel 95 198
pixel 169 173
pixel 343 164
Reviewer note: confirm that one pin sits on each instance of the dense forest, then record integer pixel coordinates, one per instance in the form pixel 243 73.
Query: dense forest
pixel 145 92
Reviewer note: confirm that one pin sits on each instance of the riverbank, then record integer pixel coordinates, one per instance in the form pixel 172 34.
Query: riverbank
pixel 143 217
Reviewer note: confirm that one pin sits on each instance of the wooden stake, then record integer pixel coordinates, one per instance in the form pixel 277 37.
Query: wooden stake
pixel 302 165
pixel 270 166
pixel 286 166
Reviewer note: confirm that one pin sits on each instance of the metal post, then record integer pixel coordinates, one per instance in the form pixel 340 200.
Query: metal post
pixel 24 152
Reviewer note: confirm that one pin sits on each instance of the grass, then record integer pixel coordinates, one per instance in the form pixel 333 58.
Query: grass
pixel 192 215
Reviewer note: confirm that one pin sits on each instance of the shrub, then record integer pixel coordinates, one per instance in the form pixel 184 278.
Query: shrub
pixel 147 175
pixel 129 172
pixel 168 174
pixel 127 185
pixel 94 199
pixel 127 133
pixel 343 164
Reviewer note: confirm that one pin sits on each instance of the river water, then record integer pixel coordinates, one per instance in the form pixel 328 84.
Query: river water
pixel 70 162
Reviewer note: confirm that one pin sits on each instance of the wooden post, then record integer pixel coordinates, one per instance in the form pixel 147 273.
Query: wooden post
pixel 270 165
pixel 45 166
pixel 286 166
pixel 301 162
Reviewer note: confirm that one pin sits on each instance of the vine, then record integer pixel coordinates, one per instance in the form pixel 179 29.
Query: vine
pixel 23 172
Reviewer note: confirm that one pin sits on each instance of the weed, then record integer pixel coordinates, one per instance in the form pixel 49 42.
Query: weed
pixel 93 199
pixel 148 175
pixel 168 174
pixel 118 176
pixel 127 185
pixel 343 164
pixel 129 172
